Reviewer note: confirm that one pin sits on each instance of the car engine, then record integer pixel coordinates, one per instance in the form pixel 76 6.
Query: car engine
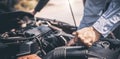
pixel 22 34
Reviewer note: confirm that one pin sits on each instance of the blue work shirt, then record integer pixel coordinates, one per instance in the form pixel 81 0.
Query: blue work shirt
pixel 103 21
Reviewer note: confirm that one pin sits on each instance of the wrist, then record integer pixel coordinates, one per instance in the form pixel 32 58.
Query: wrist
pixel 96 32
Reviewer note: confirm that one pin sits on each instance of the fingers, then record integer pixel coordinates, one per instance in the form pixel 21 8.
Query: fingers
pixel 71 42
pixel 75 33
pixel 76 36
pixel 74 40
pixel 87 42
pixel 86 35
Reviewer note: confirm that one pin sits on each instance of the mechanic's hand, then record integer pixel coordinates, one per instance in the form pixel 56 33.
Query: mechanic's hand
pixel 86 35
pixel 32 56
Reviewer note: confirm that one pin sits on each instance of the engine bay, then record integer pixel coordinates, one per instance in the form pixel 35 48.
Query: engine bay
pixel 22 34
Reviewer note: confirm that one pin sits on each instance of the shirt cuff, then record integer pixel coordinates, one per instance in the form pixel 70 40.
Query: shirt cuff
pixel 104 26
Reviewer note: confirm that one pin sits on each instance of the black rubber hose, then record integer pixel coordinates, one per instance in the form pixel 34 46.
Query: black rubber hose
pixel 77 52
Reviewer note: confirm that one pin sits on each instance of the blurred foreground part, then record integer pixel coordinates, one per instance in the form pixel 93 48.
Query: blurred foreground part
pixel 25 5
pixel 13 5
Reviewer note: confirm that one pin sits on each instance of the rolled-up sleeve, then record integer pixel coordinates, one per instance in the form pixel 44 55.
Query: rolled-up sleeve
pixel 109 19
